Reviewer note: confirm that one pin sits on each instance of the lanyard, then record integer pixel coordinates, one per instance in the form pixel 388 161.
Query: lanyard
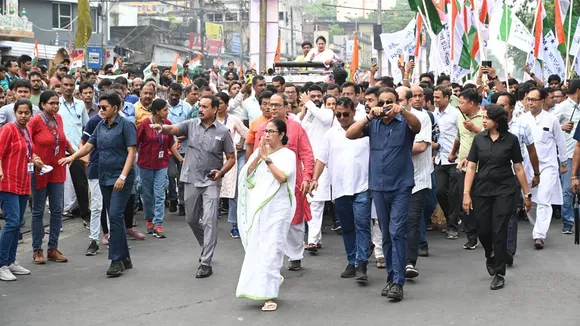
pixel 27 140
pixel 160 137
pixel 181 111
pixel 74 108
pixel 54 131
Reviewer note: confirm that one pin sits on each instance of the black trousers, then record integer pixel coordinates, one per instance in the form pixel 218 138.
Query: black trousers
pixel 416 206
pixel 492 215
pixel 469 223
pixel 78 175
pixel 446 183
pixel 129 214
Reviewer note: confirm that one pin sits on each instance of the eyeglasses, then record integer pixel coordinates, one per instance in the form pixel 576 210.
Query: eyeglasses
pixel 276 105
pixel 531 99
pixel 340 115
pixel 270 131
pixel 290 92
pixel 53 103
pixel 102 108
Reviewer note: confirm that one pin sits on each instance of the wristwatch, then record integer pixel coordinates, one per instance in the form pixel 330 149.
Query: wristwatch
pixel 268 160
pixel 529 196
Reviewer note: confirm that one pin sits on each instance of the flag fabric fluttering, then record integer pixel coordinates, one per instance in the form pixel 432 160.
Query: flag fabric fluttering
pixel 539 31
pixel 77 62
pixel 35 55
pixel 430 12
pixel 84 24
pixel 147 69
pixel 507 27
pixel 354 62
pixel 277 55
pixel 418 36
pixel 117 67
pixel 177 67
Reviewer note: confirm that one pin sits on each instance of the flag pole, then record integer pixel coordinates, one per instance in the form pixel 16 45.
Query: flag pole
pixel 534 31
pixel 506 45
pixel 571 9
pixel 429 28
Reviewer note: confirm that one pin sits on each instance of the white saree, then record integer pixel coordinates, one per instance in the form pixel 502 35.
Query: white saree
pixel 265 211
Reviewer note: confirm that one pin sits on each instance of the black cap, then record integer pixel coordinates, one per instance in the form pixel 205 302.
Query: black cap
pixel 573 86
pixel 61 66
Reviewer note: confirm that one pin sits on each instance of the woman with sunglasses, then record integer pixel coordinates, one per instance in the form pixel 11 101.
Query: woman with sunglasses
pixel 153 162
pixel 116 139
pixel 51 145
pixel 17 163
pixel 265 211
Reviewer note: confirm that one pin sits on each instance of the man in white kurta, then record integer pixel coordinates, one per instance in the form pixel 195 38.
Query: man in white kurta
pixel 316 120
pixel 551 149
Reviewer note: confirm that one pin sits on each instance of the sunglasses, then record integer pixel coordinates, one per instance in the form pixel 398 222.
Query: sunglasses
pixel 382 103
pixel 102 108
pixel 340 115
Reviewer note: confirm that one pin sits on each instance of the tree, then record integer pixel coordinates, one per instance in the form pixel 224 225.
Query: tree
pixel 317 8
pixel 394 19
pixel 335 30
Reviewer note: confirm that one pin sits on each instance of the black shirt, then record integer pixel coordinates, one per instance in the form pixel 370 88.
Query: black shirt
pixel 494 162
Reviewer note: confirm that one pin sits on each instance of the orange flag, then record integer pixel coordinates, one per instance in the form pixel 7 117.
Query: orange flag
pixel 418 34
pixel 277 55
pixel 354 62
pixel 240 70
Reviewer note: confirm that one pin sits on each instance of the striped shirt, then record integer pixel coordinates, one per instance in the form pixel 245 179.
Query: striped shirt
pixel 14 156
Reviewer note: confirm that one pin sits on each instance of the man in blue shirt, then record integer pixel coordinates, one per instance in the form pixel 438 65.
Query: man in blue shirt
pixel 391 130
pixel 128 111
pixel 128 97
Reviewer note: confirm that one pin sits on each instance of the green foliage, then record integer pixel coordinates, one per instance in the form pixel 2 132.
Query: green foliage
pixel 335 30
pixel 316 8
pixel 394 20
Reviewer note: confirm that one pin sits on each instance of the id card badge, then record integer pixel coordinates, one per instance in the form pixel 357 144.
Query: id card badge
pixel 30 168
pixel 161 154
pixel 56 150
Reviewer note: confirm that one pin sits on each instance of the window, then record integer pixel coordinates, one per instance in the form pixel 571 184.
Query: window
pixel 245 16
pixel 281 15
pixel 231 17
pixel 218 17
pixel 61 15
pixel 96 20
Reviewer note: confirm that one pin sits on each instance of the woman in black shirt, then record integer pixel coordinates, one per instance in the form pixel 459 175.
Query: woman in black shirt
pixel 493 153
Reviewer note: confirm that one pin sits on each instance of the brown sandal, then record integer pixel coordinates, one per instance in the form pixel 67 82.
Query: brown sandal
pixel 311 247
pixel 381 263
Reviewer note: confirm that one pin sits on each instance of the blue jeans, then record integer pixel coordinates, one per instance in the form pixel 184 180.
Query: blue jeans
pixel 55 193
pixel 13 207
pixel 567 210
pixel 354 214
pixel 430 206
pixel 115 203
pixel 392 209
pixel 233 209
pixel 154 183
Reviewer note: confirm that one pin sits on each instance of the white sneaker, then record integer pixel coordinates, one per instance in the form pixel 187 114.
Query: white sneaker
pixel 16 269
pixel 6 274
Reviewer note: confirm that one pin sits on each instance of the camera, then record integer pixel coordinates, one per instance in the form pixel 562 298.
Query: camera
pixel 385 110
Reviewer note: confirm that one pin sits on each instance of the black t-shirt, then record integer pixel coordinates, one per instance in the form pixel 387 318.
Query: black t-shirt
pixel 494 163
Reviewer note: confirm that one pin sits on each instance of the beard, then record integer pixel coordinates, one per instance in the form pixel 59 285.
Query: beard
pixel 317 103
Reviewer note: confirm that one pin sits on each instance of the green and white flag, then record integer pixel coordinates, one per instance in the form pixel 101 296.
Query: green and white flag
pixel 507 27
pixel 147 69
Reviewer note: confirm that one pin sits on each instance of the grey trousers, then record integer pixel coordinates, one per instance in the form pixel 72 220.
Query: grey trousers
pixel 201 204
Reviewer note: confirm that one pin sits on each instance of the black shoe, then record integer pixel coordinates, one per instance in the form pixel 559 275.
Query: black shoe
pixel 539 244
pixel 173 206
pixel 20 238
pixel 387 288
pixel 93 248
pixel 116 269
pixel 349 271
pixel 371 250
pixel 497 282
pixel 127 263
pixel 361 272
pixel 490 266
pixel 87 222
pixel 509 258
pixel 411 271
pixel 181 210
pixel 423 252
pixel 294 265
pixel 396 292
pixel 203 271
pixel 470 245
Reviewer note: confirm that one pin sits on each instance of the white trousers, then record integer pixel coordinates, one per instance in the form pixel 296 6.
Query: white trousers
pixel 295 242
pixel 70 196
pixel 540 216
pixel 377 238
pixel 315 225
pixel 96 209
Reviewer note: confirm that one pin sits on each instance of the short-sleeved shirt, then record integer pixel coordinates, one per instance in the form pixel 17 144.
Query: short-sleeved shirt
pixel 465 136
pixel 177 114
pixel 131 98
pixel 141 113
pixel 93 169
pixel 112 142
pixel 128 111
pixel 74 117
pixel 390 165
pixel 494 163
pixel 7 113
pixel 205 150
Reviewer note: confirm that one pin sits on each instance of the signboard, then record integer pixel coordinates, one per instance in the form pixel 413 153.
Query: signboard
pixel 214 31
pixel 158 7
pixel 214 47
pixel 94 58
pixel 236 43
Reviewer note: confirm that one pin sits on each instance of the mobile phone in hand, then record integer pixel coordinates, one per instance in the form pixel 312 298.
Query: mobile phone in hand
pixel 211 175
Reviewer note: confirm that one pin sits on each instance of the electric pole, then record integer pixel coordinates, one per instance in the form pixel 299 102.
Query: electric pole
pixel 263 47
pixel 380 23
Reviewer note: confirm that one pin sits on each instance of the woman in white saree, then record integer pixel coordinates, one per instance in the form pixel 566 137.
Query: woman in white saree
pixel 266 205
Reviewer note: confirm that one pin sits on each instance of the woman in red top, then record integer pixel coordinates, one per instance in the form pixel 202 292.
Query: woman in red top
pixel 50 142
pixel 153 161
pixel 16 167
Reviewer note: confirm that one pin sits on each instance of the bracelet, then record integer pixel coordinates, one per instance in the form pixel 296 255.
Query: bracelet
pixel 537 174
pixel 574 178
pixel 122 177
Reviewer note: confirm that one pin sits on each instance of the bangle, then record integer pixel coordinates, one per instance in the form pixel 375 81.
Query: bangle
pixel 532 75
pixel 573 177
pixel 122 177
pixel 537 174
pixel 466 192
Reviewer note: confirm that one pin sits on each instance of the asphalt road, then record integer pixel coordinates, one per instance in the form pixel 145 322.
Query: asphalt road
pixel 543 287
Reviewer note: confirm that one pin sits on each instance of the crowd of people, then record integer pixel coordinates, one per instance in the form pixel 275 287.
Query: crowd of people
pixel 378 157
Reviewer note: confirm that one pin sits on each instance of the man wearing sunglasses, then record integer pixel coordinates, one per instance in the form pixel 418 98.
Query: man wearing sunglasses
pixel 348 170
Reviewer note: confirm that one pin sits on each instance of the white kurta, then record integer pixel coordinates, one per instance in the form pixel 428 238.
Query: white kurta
pixel 316 122
pixel 315 56
pixel 550 147
pixel 238 131
pixel 265 211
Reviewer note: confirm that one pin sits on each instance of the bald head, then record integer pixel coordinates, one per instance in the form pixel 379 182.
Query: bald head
pixel 418 97
pixel 404 93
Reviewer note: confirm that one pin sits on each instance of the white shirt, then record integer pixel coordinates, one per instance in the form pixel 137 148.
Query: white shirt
pixel 7 113
pixel 548 138
pixel 519 109
pixel 236 108
pixel 252 107
pixel 347 161
pixel 74 117
pixel 568 111
pixel 316 122
pixel 360 112
pixel 422 164
pixel 524 133
pixel 447 121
